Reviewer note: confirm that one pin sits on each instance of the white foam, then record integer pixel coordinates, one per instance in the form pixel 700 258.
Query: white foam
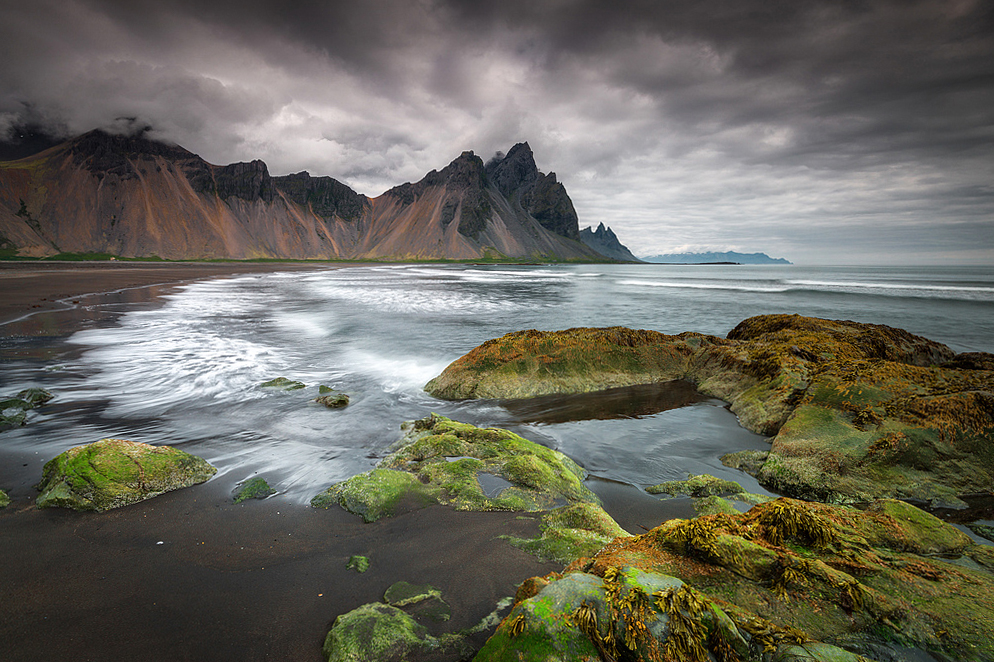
pixel 705 286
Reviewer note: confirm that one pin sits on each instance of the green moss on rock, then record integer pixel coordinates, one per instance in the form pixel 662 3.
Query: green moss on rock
pixel 571 532
pixel 255 488
pixel 377 493
pixel 525 364
pixel 111 473
pixel 35 397
pixel 703 485
pixel 284 383
pixel 444 461
pixel 358 563
pixel 332 399
pixel 856 411
pixel 4 499
pixel 376 632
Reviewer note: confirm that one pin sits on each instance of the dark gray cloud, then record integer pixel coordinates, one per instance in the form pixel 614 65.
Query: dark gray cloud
pixel 789 127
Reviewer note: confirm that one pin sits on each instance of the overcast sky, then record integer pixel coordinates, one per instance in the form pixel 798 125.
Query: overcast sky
pixel 836 132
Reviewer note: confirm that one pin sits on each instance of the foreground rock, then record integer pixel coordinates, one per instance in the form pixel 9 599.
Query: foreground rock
pixel 856 411
pixel 111 473
pixel 443 461
pixel 255 488
pixel 395 630
pixel 798 580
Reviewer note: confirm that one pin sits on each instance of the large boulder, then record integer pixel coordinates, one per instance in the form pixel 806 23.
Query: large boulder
pixel 439 460
pixel 856 411
pixel 525 364
pixel 785 574
pixel 111 473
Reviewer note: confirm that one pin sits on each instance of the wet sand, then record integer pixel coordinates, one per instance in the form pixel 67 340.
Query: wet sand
pixel 262 580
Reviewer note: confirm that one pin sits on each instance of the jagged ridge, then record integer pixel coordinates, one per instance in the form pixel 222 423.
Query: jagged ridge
pixel 136 197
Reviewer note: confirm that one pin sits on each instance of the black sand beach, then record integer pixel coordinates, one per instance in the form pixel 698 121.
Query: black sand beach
pixel 190 576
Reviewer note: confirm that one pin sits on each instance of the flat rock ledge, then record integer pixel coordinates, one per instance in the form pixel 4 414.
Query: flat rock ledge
pixel 855 411
pixel 111 473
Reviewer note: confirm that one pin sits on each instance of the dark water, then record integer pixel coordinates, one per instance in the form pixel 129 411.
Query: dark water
pixel 185 371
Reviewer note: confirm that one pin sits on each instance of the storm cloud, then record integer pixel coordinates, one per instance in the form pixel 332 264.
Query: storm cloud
pixel 824 132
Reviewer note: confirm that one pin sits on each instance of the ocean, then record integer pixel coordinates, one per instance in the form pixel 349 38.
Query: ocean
pixel 184 368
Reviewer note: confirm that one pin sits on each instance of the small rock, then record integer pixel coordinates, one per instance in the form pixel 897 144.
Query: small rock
pixel 284 383
pixel 358 563
pixel 256 488
pixel 4 499
pixel 333 400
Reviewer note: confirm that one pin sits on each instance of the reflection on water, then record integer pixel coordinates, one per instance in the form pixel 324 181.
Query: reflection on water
pixel 622 402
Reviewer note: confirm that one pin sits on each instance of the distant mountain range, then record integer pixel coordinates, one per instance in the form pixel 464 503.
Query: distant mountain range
pixel 130 196
pixel 710 258
pixel 604 241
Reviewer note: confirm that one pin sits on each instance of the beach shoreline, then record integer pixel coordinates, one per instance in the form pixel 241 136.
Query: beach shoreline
pixel 189 575
pixel 32 287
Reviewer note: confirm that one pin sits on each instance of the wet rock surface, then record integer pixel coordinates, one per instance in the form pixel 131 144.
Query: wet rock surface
pixel 111 473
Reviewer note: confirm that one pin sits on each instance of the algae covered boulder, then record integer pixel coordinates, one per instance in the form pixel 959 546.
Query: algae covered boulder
pixel 111 473
pixel 377 632
pixel 856 411
pixel 284 383
pixel 439 460
pixel 525 364
pixel 703 485
pixel 789 573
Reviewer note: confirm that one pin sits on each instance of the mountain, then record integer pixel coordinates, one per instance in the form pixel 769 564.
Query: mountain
pixel 135 197
pixel 604 241
pixel 706 258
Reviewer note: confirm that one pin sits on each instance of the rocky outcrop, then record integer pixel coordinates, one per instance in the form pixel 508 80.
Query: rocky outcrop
pixel 530 363
pixel 856 411
pixel 443 461
pixel 130 196
pixel 792 579
pixel 604 241
pixel 111 473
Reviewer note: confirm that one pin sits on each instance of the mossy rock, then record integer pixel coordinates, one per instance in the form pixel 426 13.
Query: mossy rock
pixel 111 473
pixel 526 364
pixel 255 488
pixel 378 493
pixel 883 575
pixel 703 485
pixel 982 530
pixel 571 532
pixel 443 461
pixel 333 400
pixel 376 633
pixel 13 413
pixel 714 505
pixel 358 563
pixel 856 411
pixel 4 499
pixel 422 600
pixel 284 383
pixel 35 397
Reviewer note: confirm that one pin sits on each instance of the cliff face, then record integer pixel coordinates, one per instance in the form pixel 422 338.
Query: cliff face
pixel 134 197
pixel 604 241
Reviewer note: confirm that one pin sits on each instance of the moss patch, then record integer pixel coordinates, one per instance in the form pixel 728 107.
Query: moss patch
pixel 376 632
pixel 377 493
pixel 112 473
pixel 4 499
pixel 696 486
pixel 571 532
pixel 284 383
pixel 358 563
pixel 256 488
